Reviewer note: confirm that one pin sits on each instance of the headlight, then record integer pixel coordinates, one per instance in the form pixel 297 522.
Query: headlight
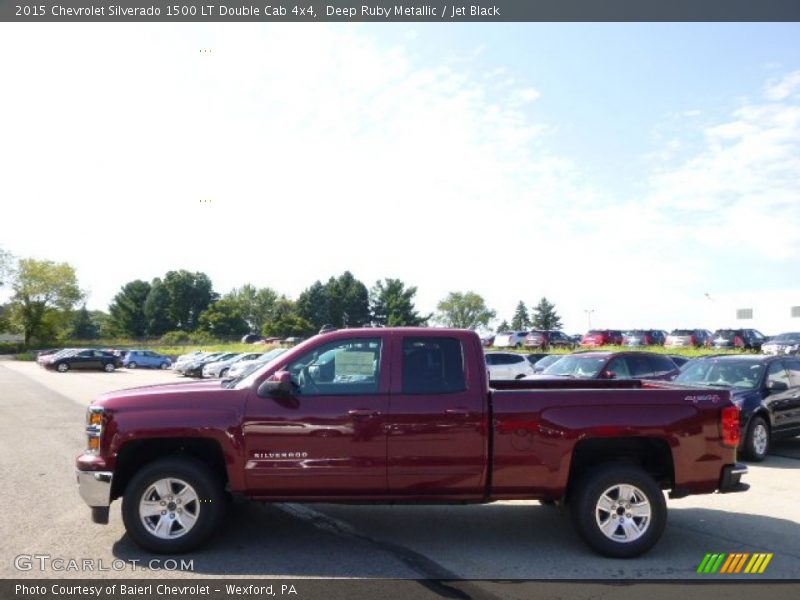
pixel 95 419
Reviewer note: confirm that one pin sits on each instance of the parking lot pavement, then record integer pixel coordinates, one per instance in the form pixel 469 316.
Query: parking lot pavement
pixel 42 420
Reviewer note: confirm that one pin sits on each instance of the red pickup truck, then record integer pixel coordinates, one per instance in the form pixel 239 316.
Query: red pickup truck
pixel 404 415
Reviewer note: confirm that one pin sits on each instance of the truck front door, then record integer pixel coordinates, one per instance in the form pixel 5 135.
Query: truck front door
pixel 437 421
pixel 328 437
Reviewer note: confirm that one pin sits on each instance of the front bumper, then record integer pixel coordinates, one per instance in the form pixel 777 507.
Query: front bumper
pixel 95 489
pixel 731 479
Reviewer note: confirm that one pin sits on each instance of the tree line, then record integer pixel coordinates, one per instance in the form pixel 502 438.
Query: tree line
pixel 47 303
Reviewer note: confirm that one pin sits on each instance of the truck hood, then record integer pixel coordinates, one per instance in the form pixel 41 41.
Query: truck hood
pixel 172 395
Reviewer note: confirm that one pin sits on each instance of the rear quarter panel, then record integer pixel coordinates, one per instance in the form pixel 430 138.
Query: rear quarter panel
pixel 536 432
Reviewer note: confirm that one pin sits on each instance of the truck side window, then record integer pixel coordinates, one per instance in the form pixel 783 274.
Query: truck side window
pixel 433 365
pixel 344 367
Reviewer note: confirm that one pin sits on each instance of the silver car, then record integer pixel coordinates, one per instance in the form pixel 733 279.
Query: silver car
pixel 220 368
pixel 785 343
pixel 246 366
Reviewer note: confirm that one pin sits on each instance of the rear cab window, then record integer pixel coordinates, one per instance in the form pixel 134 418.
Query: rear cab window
pixel 432 365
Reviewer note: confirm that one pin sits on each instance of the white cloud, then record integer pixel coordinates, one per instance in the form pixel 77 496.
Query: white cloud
pixel 783 87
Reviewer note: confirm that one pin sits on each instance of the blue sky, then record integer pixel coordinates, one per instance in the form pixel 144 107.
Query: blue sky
pixel 515 160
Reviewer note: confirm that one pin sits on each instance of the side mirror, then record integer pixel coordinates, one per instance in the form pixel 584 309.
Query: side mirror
pixel 279 385
pixel 609 375
pixel 777 386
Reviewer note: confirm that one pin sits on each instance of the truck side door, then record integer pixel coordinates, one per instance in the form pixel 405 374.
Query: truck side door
pixel 328 436
pixel 437 442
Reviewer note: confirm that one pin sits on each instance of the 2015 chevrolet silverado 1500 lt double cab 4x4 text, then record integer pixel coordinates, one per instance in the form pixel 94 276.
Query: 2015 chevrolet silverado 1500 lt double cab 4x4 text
pixel 404 415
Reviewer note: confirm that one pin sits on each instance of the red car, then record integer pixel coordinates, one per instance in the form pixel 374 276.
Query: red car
pixel 613 365
pixel 602 337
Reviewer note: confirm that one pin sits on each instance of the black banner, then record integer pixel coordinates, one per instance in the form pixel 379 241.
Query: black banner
pixel 358 589
pixel 383 11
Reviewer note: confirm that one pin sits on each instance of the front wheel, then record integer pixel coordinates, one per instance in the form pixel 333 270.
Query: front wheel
pixel 164 366
pixel 618 510
pixel 173 505
pixel 62 367
pixel 756 442
pixel 108 367
pixel 131 365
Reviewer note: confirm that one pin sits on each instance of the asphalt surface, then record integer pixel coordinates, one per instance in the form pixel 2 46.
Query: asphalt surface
pixel 41 432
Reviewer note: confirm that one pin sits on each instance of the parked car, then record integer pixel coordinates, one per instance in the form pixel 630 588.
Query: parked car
pixel 241 368
pixel 83 359
pixel 644 337
pixel 688 338
pixel 508 365
pixel 546 339
pixel 487 341
pixel 195 368
pixel 613 365
pixel 740 339
pixel 188 357
pixel 602 337
pixel 510 339
pixel 765 388
pixel 219 368
pixel 146 358
pixel 535 357
pixel 251 338
pixel 546 361
pixel 45 355
pixel 785 343
pixel 415 420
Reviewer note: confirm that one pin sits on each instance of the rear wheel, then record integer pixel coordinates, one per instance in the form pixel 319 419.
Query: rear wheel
pixel 618 510
pixel 108 367
pixel 173 505
pixel 757 440
pixel 164 365
pixel 224 373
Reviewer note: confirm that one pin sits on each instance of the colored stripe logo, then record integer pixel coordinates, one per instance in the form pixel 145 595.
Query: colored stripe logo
pixel 738 562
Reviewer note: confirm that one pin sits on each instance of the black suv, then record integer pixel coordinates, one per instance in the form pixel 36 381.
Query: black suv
pixel 741 339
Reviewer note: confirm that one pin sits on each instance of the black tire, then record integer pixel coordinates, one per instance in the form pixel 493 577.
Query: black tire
pixel 755 448
pixel 109 367
pixel 164 366
pixel 587 516
pixel 223 374
pixel 62 367
pixel 210 507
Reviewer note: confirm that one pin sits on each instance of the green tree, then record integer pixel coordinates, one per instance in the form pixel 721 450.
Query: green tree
pixel 189 295
pixel 156 310
pixel 313 305
pixel 392 304
pixel 464 310
pixel 224 317
pixel 286 322
pixel 5 266
pixel 348 301
pixel 504 326
pixel 39 287
pixel 545 315
pixel 127 309
pixel 255 304
pixel 83 327
pixel 520 319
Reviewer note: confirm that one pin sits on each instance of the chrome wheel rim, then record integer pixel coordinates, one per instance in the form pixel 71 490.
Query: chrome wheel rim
pixel 109 367
pixel 63 368
pixel 169 508
pixel 760 437
pixel 623 513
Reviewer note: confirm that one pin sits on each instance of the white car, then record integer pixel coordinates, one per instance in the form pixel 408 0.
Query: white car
pixel 510 339
pixel 245 366
pixel 220 368
pixel 508 365
pixel 785 343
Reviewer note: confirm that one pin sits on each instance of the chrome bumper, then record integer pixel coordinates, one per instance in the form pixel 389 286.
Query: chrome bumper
pixel 95 487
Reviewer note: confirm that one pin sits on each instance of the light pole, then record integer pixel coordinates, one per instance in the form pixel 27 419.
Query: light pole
pixel 589 312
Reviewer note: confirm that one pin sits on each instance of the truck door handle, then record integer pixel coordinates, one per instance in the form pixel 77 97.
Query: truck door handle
pixel 363 413
pixel 457 412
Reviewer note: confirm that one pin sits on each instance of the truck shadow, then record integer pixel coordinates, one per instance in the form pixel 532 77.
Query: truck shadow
pixel 788 448
pixel 498 541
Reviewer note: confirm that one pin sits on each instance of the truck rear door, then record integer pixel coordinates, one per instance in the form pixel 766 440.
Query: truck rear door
pixel 437 442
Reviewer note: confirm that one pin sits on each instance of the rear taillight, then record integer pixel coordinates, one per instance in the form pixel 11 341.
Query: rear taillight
pixel 729 426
